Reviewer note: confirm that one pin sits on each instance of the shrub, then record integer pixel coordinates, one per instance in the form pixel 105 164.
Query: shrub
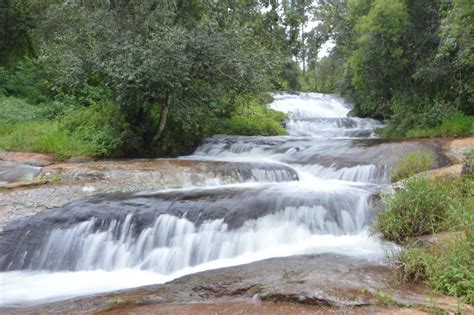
pixel 251 117
pixel 411 264
pixel 14 110
pixel 413 162
pixel 249 126
pixel 25 81
pixel 425 207
pixel 98 128
pixel 91 131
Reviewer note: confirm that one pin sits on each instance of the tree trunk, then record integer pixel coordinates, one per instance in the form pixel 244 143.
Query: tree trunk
pixel 165 107
pixel 303 51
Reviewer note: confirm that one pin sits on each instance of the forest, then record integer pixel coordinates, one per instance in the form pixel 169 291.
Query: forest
pixel 111 78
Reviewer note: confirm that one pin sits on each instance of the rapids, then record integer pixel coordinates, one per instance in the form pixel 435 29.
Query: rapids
pixel 320 200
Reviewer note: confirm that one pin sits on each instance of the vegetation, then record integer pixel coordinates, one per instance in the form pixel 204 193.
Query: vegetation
pixel 452 126
pixel 168 73
pixel 424 207
pixel 413 162
pixel 408 61
pixel 446 268
pixel 173 72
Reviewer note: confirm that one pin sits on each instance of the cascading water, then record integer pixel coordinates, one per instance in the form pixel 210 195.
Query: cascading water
pixel 153 237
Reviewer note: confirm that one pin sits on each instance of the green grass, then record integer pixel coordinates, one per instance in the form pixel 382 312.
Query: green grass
pixel 425 207
pixel 87 131
pixel 456 125
pixel 447 268
pixel 411 163
pixel 37 136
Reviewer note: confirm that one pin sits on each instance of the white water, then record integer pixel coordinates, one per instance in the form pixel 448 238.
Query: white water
pixel 83 259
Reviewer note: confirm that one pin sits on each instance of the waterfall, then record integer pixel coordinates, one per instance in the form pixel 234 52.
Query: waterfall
pixel 307 192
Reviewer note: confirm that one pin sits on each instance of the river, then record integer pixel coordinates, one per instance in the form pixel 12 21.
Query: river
pixel 319 200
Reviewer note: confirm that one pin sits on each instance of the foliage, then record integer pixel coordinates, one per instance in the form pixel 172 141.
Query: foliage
pixel 408 61
pixel 379 61
pixel 24 80
pixel 428 207
pixel 425 207
pixel 15 32
pixel 99 128
pixel 456 125
pixel 14 110
pixel 252 117
pixel 411 163
pixel 447 269
pixel 162 70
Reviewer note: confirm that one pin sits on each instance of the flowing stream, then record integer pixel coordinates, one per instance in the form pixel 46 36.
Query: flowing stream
pixel 319 201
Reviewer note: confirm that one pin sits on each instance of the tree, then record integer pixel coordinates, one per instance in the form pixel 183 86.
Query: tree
pixel 378 64
pixel 159 67
pixel 15 37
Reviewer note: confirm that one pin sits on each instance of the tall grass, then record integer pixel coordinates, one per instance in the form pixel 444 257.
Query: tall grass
pixel 411 163
pixel 425 207
pixel 46 137
pixel 456 125
pixel 447 268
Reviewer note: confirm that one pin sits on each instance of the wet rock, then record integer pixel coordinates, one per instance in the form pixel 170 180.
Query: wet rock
pixel 18 158
pixel 18 173
pixel 453 171
pixel 458 149
pixel 320 283
pixel 69 182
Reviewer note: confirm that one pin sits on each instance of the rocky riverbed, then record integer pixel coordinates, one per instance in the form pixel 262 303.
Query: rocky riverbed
pixel 244 225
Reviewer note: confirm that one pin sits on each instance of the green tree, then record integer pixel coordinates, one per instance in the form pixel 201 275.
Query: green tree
pixel 379 63
pixel 15 32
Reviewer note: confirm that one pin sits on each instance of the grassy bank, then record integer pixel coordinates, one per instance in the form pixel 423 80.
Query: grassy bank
pixel 98 130
pixel 455 125
pixel 425 207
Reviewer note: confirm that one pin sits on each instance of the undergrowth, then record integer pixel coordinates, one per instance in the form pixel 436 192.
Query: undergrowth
pixel 411 163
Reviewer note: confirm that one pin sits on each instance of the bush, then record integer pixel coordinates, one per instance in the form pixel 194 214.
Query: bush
pixel 14 110
pixel 252 117
pixel 447 269
pixel 25 81
pixel 424 207
pixel 98 128
pixel 249 126
pixel 411 163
